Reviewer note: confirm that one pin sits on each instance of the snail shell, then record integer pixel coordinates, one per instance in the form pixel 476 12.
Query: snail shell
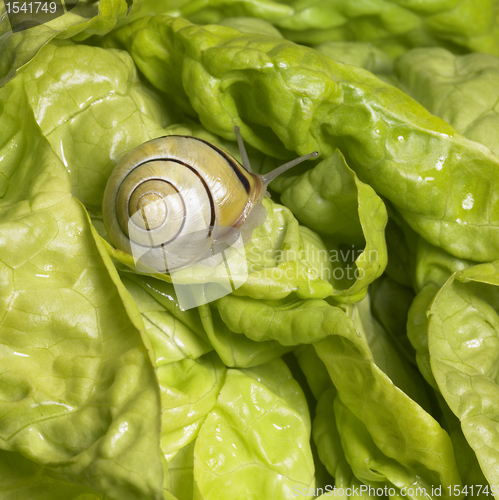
pixel 170 199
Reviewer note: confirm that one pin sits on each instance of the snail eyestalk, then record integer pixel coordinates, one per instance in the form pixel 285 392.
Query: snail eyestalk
pixel 242 151
pixel 268 178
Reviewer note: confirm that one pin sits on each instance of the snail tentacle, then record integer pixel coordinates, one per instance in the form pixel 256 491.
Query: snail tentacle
pixel 242 151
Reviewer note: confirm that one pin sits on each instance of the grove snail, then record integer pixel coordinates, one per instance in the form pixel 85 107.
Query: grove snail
pixel 176 197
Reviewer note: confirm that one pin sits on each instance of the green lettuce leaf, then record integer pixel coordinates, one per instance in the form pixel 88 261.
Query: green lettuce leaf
pixel 355 355
pixel 189 375
pixel 290 321
pixel 329 191
pixel 22 478
pixel 331 200
pixel 364 55
pixel 397 431
pixel 87 18
pixel 324 428
pixel 189 390
pixel 236 450
pixel 344 444
pixel 92 108
pixel 78 392
pixel 237 350
pixel 400 255
pixel 433 267
pixel 463 90
pixel 313 369
pixel 285 96
pixel 251 25
pixel 390 303
pixel 417 330
pixel 388 354
pixel 462 341
pixel 174 334
pixel 393 26
pixel 180 480
pixel 466 460
pixel 282 259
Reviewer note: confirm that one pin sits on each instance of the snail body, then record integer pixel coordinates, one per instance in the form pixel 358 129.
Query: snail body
pixel 171 199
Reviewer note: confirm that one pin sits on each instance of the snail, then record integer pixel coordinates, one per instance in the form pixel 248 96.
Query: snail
pixel 174 200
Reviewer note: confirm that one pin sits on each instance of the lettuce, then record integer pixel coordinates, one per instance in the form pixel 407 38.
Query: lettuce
pixel 462 327
pixel 463 90
pixel 391 25
pixel 237 441
pixel 78 393
pixel 360 351
pixel 81 21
